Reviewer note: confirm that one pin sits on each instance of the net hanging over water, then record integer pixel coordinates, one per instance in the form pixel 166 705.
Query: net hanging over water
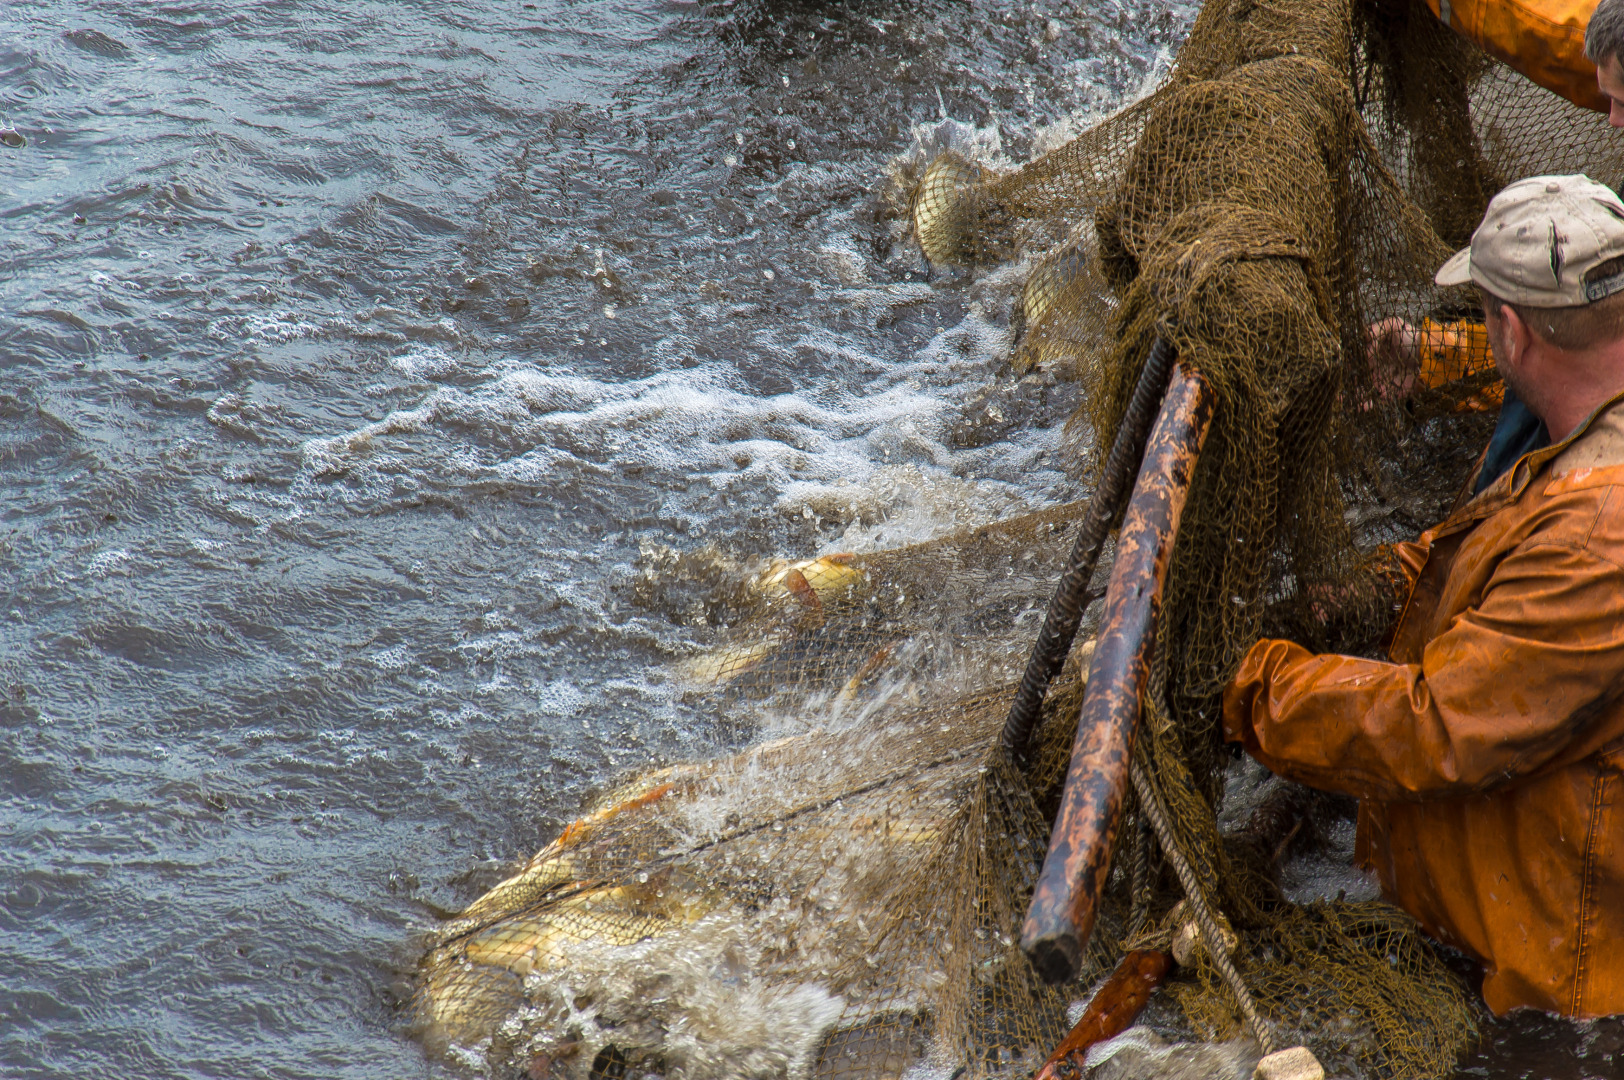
pixel 846 902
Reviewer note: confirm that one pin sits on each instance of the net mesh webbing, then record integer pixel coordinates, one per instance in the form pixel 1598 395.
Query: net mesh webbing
pixel 845 902
pixel 838 903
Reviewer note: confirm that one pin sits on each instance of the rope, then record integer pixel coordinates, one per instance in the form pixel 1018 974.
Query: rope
pixel 1066 606
pixel 1140 883
pixel 1151 802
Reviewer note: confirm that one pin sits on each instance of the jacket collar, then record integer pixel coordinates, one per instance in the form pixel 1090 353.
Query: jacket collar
pixel 1509 487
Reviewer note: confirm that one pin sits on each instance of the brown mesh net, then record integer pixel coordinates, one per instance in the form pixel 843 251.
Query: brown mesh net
pixel 838 903
pixel 835 904
pixel 845 902
pixel 845 623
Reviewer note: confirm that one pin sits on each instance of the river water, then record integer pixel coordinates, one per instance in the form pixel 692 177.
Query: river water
pixel 359 362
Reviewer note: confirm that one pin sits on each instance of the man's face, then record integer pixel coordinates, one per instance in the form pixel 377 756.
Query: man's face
pixel 1610 78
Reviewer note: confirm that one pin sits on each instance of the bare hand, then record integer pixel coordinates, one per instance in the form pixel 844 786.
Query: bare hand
pixel 1393 354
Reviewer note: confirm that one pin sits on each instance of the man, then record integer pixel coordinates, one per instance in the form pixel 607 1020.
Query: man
pixel 1574 48
pixel 1571 47
pixel 1489 753
pixel 1604 47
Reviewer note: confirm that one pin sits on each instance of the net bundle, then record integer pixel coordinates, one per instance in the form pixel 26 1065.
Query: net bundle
pixel 846 901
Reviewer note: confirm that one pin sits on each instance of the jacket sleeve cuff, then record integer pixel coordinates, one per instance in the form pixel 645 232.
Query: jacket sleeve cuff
pixel 1251 680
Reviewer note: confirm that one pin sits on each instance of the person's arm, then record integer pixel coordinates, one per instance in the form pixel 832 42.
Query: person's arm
pixel 1542 39
pixel 1432 356
pixel 1509 688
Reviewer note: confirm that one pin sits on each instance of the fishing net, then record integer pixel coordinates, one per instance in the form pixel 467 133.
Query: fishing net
pixel 841 902
pixel 845 901
pixel 847 623
pixel 834 904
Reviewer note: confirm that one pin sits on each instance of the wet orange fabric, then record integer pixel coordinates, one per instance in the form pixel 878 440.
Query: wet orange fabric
pixel 1543 39
pixel 1489 754
pixel 1449 351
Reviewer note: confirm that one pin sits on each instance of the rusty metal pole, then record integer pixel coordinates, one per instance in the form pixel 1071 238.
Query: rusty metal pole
pixel 1064 904
pixel 1066 606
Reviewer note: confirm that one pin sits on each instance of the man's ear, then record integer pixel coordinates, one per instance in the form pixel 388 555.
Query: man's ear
pixel 1516 335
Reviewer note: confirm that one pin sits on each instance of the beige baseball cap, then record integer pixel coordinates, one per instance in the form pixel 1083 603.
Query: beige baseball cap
pixel 1540 240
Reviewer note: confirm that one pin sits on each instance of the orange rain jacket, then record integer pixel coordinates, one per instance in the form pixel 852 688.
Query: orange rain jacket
pixel 1489 754
pixel 1543 39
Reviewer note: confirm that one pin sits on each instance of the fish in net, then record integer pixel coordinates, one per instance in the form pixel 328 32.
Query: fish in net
pixel 815 905
pixel 854 621
pixel 847 902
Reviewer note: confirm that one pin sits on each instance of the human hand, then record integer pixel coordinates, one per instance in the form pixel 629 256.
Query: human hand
pixel 1393 352
pixel 1327 599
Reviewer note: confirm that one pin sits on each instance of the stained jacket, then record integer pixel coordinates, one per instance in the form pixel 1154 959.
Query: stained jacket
pixel 1489 754
pixel 1543 39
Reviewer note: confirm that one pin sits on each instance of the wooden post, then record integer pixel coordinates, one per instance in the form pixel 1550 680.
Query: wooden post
pixel 1064 903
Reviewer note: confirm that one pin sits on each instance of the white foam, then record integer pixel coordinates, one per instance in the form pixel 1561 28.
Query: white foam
pixel 539 426
pixel 899 504
pixel 560 697
pixel 984 145
pixel 432 362
pixel 273 329
pixel 397 658
pixel 928 1070
pixel 693 999
pixel 107 563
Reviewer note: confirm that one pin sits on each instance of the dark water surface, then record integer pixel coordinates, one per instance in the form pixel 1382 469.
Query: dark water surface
pixel 352 353
pixel 354 360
